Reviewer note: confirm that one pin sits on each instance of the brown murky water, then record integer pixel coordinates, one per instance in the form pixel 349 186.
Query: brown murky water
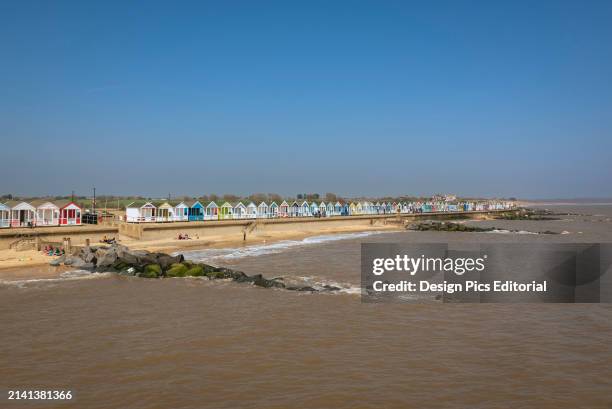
pixel 121 342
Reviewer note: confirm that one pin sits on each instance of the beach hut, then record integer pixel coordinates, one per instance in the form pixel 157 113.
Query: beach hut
pixel 273 210
pixel 294 209
pixel 195 211
pixel 283 210
pixel 165 212
pixel 323 209
pixel 359 208
pixel 314 209
pixel 47 213
pixel 352 208
pixel 338 209
pixel 140 211
pixel 346 211
pixel 23 214
pixel 212 211
pixel 70 213
pixel 330 209
pixel 181 212
pixel 226 211
pixel 305 209
pixel 262 211
pixel 251 211
pixel 5 216
pixel 239 211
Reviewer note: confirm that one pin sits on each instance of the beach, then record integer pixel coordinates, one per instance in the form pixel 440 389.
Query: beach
pixel 34 264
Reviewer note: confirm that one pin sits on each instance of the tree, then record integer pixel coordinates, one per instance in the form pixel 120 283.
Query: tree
pixel 331 197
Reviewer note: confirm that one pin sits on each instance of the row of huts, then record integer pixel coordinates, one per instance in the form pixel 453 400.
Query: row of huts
pixel 167 211
pixel 40 213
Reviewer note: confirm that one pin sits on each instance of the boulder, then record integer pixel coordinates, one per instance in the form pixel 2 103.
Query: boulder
pixel 106 258
pixel 177 270
pixel 151 271
pixel 195 271
pixel 58 260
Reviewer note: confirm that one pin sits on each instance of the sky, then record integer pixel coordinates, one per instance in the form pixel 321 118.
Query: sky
pixel 360 98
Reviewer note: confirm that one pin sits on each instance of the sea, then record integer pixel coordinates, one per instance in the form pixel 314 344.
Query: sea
pixel 124 342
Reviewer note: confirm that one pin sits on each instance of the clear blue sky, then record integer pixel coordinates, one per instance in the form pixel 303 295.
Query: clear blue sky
pixel 359 98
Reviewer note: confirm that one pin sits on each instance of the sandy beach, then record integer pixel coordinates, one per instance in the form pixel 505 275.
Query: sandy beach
pixel 32 264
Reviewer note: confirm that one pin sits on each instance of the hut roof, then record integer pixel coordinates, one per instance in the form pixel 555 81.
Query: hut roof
pixel 39 202
pixel 193 202
pixel 15 203
pixel 139 203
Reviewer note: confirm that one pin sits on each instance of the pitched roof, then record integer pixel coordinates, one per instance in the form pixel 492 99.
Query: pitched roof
pixel 193 202
pixel 138 204
pixel 14 203
pixel 39 202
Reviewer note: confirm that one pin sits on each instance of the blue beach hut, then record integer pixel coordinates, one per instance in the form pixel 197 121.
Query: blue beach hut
pixel 196 210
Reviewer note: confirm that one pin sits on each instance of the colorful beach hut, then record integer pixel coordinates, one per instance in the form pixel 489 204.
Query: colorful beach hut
pixel 338 209
pixel 140 211
pixel 226 211
pixel 251 211
pixel 273 210
pixel 314 209
pixel 283 210
pixel 70 213
pixel 212 211
pixel 352 208
pixel 181 212
pixel 23 214
pixel 330 209
pixel 294 209
pixel 5 215
pixel 345 210
pixel 304 209
pixel 195 211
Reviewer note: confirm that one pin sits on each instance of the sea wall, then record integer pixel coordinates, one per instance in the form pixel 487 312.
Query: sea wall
pixel 227 229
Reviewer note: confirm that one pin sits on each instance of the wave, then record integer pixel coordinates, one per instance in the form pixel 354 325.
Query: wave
pixel 504 231
pixel 65 276
pixel 229 253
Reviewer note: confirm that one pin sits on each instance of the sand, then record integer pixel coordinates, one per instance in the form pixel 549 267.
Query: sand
pixel 28 264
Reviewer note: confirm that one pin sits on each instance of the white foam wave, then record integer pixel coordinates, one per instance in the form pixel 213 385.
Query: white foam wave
pixel 65 276
pixel 262 249
pixel 504 231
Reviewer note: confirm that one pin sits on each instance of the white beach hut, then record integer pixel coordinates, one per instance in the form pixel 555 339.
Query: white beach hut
pixel 330 209
pixel 262 210
pixel 323 209
pixel 47 213
pixel 5 216
pixel 251 211
pixel 140 211
pixel 239 211
pixel 23 214
pixel 165 212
